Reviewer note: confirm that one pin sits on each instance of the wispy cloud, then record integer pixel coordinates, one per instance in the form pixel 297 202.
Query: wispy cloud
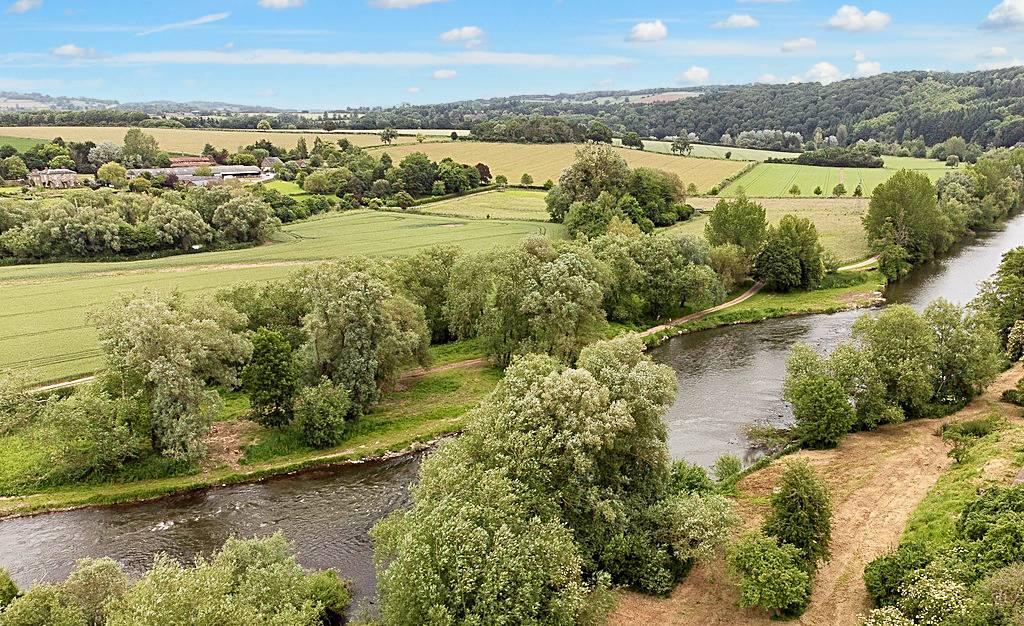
pixel 401 4
pixel 282 4
pixel 444 74
pixel 24 6
pixel 199 21
pixel 271 57
pixel 470 36
pixel 71 51
pixel 800 43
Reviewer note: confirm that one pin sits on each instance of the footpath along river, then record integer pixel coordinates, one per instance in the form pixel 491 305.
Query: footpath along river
pixel 728 378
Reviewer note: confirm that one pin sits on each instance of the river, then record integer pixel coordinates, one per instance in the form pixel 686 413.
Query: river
pixel 728 377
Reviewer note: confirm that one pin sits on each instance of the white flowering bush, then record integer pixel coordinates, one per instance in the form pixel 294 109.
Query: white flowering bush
pixel 887 616
pixel 933 601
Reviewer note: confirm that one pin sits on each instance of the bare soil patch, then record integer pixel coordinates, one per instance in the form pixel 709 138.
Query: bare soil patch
pixel 876 480
pixel 225 443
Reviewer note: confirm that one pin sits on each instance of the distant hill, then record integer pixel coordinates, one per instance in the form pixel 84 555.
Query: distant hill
pixel 985 106
pixel 14 101
pixel 11 101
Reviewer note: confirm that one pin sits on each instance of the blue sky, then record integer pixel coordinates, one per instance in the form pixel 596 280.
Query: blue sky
pixel 335 53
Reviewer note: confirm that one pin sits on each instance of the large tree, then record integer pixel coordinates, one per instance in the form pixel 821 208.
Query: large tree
pixel 741 222
pixel 904 211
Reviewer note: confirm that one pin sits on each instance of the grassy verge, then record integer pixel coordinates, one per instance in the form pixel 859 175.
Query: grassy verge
pixel 853 290
pixel 992 459
pixel 433 406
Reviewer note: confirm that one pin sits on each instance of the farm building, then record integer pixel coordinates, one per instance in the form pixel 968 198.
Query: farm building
pixel 218 171
pixel 54 179
pixel 268 164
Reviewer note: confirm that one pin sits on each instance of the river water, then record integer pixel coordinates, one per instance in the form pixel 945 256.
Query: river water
pixel 728 378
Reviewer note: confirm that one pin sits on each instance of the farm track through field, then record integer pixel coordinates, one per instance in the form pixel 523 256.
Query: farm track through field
pixel 876 479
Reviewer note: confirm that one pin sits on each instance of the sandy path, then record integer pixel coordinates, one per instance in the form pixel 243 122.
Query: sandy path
pixel 876 480
pixel 692 317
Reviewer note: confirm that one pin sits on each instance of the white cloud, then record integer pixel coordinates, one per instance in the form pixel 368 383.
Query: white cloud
pixel 1006 14
pixel 444 74
pixel 695 75
pixel 768 79
pixel 800 43
pixel 413 90
pixel 24 6
pixel 285 56
pixel 281 4
pixel 1000 64
pixel 71 51
pixel 470 36
pixel 649 31
pixel 737 20
pixel 867 68
pixel 266 93
pixel 199 21
pixel 859 56
pixel 851 18
pixel 824 73
pixel 401 4
pixel 995 52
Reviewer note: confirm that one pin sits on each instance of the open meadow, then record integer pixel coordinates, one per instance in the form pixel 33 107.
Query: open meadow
pixel 44 327
pixel 510 204
pixel 716 152
pixel 838 221
pixel 20 144
pixel 774 180
pixel 192 140
pixel 546 161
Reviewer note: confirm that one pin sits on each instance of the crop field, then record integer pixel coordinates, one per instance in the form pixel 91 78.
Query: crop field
pixel 20 144
pixel 717 152
pixel 510 204
pixel 838 221
pixel 775 179
pixel 44 325
pixel 546 161
pixel 192 140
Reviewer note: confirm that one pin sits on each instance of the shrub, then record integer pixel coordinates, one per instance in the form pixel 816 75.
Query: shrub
pixel 331 592
pixel 691 478
pixel 930 600
pixel 771 575
pixel 698 525
pixel 726 468
pixel 320 412
pixel 8 589
pixel 1004 591
pixel 437 189
pixel 43 605
pixel 801 513
pixel 794 190
pixel 93 583
pixel 818 191
pixel 887 616
pixel 822 410
pixel 548 184
pixel 526 180
pixel 269 378
pixel 886 576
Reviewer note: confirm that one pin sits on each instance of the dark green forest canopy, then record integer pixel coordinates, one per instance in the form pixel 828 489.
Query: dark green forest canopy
pixel 984 107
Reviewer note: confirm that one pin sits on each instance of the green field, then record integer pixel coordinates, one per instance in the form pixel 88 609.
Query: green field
pixel 716 152
pixel 838 221
pixel 510 204
pixel 546 161
pixel 775 179
pixel 20 144
pixel 43 320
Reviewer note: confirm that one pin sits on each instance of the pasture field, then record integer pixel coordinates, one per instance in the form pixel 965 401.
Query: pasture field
pixel 192 140
pixel 838 221
pixel 773 180
pixel 716 152
pixel 546 161
pixel 510 204
pixel 44 326
pixel 19 143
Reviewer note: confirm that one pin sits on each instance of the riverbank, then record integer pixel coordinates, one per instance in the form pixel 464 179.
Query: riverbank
pixel 884 483
pixel 427 405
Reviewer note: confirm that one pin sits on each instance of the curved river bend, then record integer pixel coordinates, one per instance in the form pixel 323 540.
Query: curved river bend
pixel 728 378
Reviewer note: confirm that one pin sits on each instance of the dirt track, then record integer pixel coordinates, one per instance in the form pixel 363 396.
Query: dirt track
pixel 876 480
